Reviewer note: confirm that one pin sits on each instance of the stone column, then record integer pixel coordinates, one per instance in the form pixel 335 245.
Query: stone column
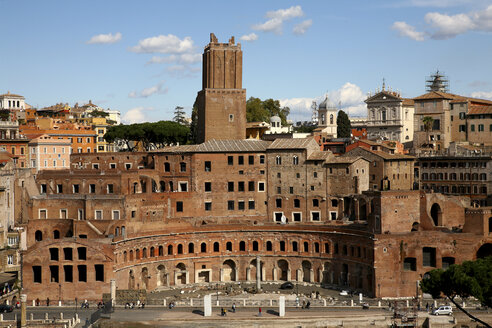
pixel 207 306
pixel 263 273
pixel 281 306
pixel 320 275
pixel 299 275
pixel 167 279
pixel 289 274
pixel 112 284
pixel 311 275
pixel 275 278
pixel 23 299
pixel 248 274
pixel 221 278
pixel 258 273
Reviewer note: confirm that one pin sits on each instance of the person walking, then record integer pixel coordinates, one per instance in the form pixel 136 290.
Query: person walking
pixel 259 311
pixel 47 301
pixel 233 307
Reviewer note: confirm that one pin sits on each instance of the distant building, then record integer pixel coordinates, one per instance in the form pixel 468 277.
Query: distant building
pixel 327 119
pixel 276 126
pixel 389 116
pixel 10 101
pixel 47 153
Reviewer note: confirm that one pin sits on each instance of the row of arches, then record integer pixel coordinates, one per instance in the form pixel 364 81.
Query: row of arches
pixel 454 176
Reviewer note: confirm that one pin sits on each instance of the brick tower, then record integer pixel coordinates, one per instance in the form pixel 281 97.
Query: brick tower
pixel 222 100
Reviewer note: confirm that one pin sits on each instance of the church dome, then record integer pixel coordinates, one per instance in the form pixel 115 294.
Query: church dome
pixel 275 118
pixel 327 104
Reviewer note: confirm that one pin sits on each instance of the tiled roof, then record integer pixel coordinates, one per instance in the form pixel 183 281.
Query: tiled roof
pixel 344 160
pixel 473 100
pixel 216 146
pixel 295 143
pixel 319 155
pixel 381 154
pixel 8 94
pixel 408 102
pixel 438 95
pixel 476 110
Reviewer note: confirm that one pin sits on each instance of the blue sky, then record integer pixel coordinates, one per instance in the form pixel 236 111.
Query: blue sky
pixel 144 57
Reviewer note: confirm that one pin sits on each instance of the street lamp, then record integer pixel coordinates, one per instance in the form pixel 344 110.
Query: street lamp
pixel 217 293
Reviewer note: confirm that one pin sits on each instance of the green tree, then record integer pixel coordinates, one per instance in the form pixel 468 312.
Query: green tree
pixel 471 278
pixel 98 113
pixel 261 111
pixel 194 123
pixel 179 115
pixel 428 122
pixel 305 128
pixel 344 129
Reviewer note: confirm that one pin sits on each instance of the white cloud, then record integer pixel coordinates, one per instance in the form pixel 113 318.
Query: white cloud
pixel 136 115
pixel 182 59
pixel 105 38
pixel 448 26
pixel 408 31
pixel 249 37
pixel 147 92
pixel 302 27
pixel 349 97
pixel 445 26
pixel 285 14
pixel 166 44
pixel 482 94
pixel 276 19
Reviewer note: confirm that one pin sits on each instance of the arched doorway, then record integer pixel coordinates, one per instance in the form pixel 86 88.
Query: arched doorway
pixel 436 214
pixel 162 275
pixel 306 271
pixel 484 251
pixel 180 274
pixel 326 273
pixel 229 270
pixel 145 278
pixel 131 280
pixel 252 267
pixel 283 267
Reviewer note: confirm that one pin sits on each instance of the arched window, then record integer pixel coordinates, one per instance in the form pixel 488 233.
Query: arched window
pixel 306 246
pixel 203 247
pixel 161 251
pixel 229 246
pixel 137 254
pixel 144 253
pixel 152 251
pixel 191 248
pixel 124 256
pixel 167 167
pixel 131 255
pixel 117 231
pixel 123 231
pixel 38 235
pixel 282 246
pixel 316 247
pixel 331 118
pixel 295 160
pixel 216 247
pixel 162 186
pixel 170 250
pixel 295 246
pixel 278 160
pixel 242 246
pixel 255 246
pixel 269 247
pixel 180 249
pixel 56 234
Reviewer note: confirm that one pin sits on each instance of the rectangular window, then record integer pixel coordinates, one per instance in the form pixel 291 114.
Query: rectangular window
pixel 43 188
pixel 68 254
pixel 208 166
pixel 99 269
pixel 68 273
pixel 75 188
pixel 240 160
pixel 116 214
pixel 429 257
pixel 92 188
pixel 261 186
pixel 10 259
pixel 63 214
pixel 80 214
pixel 43 214
pixel 262 159
pixel 291 190
pixel 297 216
pixel 110 188
pixel 251 186
pixel 208 206
pixel 59 189
pixel 240 186
pixel 98 214
pixel 54 276
pixel 230 160
pixel 480 128
pixel 315 216
pixel 251 205
pixel 278 202
pixel 183 186
pixel 230 186
pixel 240 205
pixel 179 206
pixel 208 186
pixel 95 166
pixel 112 165
pixel 82 253
pixel 472 128
pixel 82 272
pixel 36 272
pixel 278 216
pixel 251 159
pixel 230 205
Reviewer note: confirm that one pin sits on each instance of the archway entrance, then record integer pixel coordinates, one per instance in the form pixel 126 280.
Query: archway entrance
pixel 306 271
pixel 484 251
pixel 131 280
pixel 436 214
pixel 162 275
pixel 180 274
pixel 283 267
pixel 145 278
pixel 252 267
pixel 229 270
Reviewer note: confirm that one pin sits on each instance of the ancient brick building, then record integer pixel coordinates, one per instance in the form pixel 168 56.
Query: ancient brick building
pixel 223 209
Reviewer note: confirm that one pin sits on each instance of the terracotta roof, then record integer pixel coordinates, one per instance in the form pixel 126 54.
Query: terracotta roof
pixel 438 95
pixel 477 110
pixel 216 146
pixel 382 154
pixel 408 102
pixel 319 155
pixel 344 160
pixel 295 143
pixel 469 99
pixel 8 94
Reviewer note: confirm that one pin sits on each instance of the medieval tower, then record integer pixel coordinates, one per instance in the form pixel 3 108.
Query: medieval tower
pixel 222 100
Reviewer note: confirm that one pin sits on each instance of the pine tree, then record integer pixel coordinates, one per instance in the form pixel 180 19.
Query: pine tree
pixel 179 115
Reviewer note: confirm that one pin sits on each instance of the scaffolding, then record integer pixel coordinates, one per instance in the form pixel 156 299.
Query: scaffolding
pixel 437 82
